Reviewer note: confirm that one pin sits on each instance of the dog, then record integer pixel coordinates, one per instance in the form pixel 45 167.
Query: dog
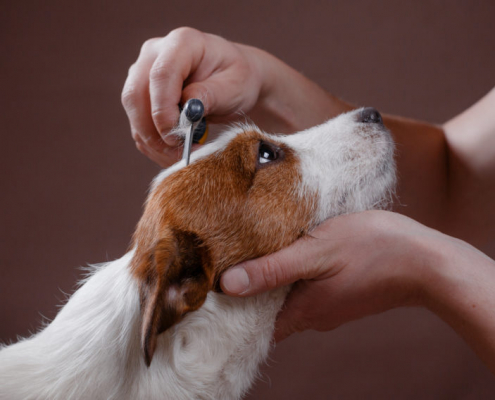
pixel 154 323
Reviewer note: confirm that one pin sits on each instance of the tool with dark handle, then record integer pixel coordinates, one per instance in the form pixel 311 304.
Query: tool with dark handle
pixel 194 111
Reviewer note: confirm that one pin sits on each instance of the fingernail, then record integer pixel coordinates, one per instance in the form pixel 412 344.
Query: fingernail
pixel 236 280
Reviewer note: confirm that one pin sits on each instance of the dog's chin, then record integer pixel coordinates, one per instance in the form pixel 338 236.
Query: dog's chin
pixel 382 191
pixel 383 179
pixel 378 193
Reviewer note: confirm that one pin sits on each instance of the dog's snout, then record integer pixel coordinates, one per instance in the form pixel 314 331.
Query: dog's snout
pixel 370 115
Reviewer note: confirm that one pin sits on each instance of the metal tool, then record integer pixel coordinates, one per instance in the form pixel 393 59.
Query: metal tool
pixel 193 111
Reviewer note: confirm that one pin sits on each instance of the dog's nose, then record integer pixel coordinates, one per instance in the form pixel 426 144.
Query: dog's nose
pixel 370 115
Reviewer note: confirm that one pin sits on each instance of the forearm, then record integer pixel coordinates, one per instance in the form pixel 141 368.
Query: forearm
pixel 460 290
pixel 471 142
pixel 422 170
pixel 471 135
pixel 446 181
pixel 446 174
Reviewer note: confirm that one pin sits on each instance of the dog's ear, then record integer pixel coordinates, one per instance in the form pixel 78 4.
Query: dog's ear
pixel 175 276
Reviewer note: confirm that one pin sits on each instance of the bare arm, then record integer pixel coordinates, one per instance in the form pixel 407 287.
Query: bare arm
pixel 231 79
pixel 446 180
pixel 234 79
pixel 446 173
pixel 470 136
pixel 366 263
pixel 459 288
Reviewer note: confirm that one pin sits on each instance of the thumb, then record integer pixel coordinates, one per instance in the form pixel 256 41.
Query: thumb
pixel 221 96
pixel 202 91
pixel 269 272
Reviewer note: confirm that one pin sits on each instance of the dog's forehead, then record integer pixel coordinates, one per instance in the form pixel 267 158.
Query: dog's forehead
pixel 236 133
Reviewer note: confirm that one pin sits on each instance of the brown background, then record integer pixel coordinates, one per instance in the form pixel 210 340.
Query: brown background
pixel 72 183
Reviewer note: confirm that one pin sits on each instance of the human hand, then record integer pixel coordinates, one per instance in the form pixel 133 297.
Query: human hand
pixel 349 267
pixel 182 65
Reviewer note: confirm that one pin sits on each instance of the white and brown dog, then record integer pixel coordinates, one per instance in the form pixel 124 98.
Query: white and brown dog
pixel 129 332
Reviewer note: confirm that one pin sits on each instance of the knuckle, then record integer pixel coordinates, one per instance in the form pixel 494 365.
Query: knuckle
pixel 272 273
pixel 128 96
pixel 143 149
pixel 161 70
pixel 145 142
pixel 162 120
pixel 184 32
pixel 140 147
pixel 137 137
pixel 149 44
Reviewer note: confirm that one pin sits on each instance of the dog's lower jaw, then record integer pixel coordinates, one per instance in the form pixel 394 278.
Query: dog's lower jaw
pixel 92 348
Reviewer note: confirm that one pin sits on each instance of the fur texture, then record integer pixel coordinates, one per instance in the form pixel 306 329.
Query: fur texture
pixel 151 325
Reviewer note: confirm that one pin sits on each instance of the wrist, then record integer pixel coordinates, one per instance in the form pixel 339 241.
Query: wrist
pixel 288 101
pixel 446 276
pixel 459 284
pixel 461 293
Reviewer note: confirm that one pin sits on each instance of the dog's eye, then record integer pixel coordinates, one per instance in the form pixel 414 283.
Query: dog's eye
pixel 267 153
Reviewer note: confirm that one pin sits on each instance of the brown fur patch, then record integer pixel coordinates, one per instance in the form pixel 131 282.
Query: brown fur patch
pixel 204 218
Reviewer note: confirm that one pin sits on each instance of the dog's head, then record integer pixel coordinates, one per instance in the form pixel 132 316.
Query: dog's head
pixel 246 195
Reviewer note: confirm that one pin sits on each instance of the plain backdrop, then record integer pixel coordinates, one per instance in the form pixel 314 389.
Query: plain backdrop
pixel 73 184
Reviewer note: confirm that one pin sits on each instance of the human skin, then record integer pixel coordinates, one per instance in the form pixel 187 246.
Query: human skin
pixel 366 263
pixel 447 182
pixel 234 80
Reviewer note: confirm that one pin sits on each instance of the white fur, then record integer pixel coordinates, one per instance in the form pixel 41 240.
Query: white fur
pixel 349 164
pixel 92 348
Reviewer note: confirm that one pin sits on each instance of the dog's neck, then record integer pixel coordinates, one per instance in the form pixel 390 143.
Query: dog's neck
pixel 93 346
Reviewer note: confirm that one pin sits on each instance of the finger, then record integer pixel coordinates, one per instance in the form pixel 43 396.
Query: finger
pixel 136 101
pixel 226 88
pixel 284 326
pixel 222 102
pixel 283 329
pixel 282 333
pixel 165 158
pixel 168 73
pixel 315 256
pixel 293 317
pixel 287 325
pixel 275 270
